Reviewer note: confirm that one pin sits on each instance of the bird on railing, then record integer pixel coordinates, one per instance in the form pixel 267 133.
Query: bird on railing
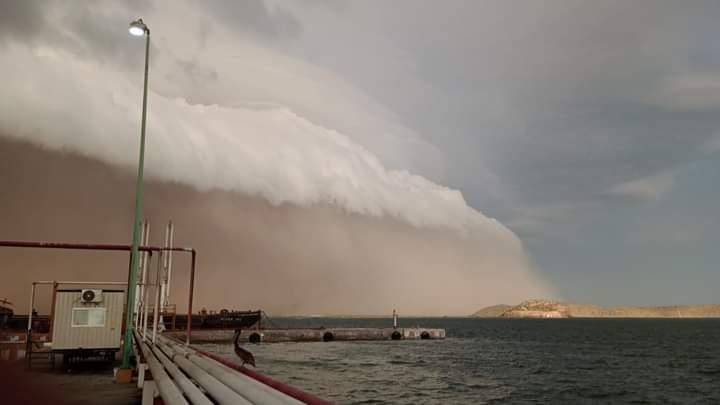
pixel 244 354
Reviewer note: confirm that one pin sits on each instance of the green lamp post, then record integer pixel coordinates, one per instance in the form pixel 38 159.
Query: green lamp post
pixel 137 28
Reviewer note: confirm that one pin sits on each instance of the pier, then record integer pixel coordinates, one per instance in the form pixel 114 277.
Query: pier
pixel 277 335
pixel 85 324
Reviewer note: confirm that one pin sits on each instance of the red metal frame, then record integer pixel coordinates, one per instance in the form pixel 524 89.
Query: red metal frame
pixel 111 247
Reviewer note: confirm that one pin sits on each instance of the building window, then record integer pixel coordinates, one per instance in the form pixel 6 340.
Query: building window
pixel 88 317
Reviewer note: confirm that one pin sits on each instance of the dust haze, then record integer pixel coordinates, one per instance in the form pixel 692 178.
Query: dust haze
pixel 285 259
pixel 301 191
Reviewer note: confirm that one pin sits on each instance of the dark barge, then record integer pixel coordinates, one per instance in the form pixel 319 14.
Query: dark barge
pixel 224 319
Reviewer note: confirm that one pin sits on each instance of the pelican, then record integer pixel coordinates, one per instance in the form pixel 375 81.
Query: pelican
pixel 244 354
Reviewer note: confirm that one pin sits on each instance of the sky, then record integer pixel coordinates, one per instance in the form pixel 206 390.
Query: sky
pixel 566 148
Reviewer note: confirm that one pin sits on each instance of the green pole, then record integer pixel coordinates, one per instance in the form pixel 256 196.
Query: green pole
pixel 134 252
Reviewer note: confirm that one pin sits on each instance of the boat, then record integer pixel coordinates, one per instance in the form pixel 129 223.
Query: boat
pixel 6 312
pixel 224 319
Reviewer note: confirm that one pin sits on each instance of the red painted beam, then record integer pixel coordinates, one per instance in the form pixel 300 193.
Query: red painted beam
pixel 85 246
pixel 288 390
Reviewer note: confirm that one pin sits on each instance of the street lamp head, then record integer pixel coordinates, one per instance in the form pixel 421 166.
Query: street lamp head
pixel 138 28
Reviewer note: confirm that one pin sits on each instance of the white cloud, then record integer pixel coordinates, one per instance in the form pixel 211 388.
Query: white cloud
pixel 646 188
pixel 689 92
pixel 270 152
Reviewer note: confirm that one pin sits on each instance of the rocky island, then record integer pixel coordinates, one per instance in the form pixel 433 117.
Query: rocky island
pixel 540 308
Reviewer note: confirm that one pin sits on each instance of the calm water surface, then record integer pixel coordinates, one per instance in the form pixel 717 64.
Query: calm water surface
pixel 485 361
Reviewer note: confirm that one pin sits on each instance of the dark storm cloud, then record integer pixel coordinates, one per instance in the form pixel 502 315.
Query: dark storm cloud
pixel 559 100
pixel 98 37
pixel 194 70
pixel 562 101
pixel 84 28
pixel 89 31
pixel 256 17
pixel 21 19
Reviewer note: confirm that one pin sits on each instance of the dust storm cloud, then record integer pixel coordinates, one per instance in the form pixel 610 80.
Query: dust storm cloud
pixel 286 259
pixel 301 192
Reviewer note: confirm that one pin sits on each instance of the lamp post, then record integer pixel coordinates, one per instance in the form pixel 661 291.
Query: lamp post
pixel 137 28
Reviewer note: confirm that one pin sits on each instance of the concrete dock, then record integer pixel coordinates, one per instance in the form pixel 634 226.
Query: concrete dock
pixel 274 335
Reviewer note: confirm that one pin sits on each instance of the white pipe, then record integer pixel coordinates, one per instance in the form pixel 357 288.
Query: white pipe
pixel 163 286
pixel 32 304
pixel 144 259
pixel 145 254
pixel 156 301
pixel 140 290
pixel 253 390
pixel 191 391
pixel 174 347
pixel 82 282
pixel 145 315
pixel 169 392
pixel 143 320
pixel 171 241
pixel 142 280
pixel 217 390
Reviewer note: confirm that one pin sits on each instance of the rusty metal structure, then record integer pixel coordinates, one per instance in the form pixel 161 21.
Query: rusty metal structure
pixel 115 248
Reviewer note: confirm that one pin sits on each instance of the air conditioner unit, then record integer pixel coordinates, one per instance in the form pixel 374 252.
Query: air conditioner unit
pixel 88 296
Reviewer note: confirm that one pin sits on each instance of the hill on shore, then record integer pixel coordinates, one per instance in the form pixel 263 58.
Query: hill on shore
pixel 492 311
pixel 557 309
